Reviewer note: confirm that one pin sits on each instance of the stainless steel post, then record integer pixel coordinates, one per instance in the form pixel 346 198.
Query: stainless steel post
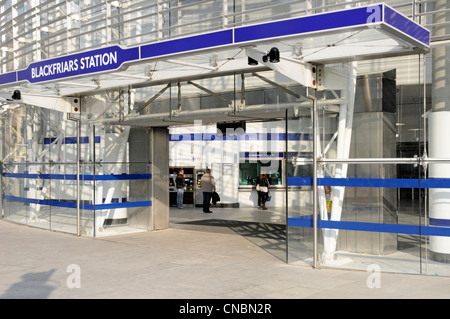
pixel 314 195
pixel 78 121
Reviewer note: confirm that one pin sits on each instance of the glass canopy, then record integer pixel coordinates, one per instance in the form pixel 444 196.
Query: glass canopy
pixel 368 32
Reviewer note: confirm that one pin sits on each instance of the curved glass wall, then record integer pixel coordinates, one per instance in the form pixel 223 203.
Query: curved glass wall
pixel 40 152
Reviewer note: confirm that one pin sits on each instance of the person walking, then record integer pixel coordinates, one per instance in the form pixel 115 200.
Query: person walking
pixel 180 184
pixel 262 187
pixel 208 185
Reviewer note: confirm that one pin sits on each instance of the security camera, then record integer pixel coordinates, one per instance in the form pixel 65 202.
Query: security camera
pixel 16 96
pixel 273 56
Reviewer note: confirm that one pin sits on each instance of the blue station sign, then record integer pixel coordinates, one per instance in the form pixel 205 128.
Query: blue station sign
pixel 105 59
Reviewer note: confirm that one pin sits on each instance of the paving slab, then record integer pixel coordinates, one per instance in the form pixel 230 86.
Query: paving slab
pixel 179 264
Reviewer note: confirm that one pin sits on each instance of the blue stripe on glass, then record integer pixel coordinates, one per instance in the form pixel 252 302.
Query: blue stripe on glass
pixel 119 177
pixel 71 140
pixel 72 177
pixel 239 137
pixel 435 183
pixel 119 205
pixel 56 203
pixel 307 221
pixel 372 182
pixel 439 222
pixel 300 181
pixel 274 155
pixel 369 182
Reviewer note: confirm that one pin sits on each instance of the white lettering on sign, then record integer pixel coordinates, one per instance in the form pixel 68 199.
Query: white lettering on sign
pixel 84 63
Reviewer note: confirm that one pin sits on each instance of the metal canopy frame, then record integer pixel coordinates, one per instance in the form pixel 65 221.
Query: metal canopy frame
pixel 368 32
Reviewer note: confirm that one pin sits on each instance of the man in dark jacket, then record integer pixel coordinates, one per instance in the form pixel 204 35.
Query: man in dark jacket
pixel 208 185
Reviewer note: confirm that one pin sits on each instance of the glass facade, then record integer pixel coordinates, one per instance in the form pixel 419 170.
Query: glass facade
pixel 353 188
pixel 40 185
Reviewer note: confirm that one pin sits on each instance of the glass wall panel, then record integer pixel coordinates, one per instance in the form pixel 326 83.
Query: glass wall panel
pixel 37 197
pixel 372 226
pixel 256 11
pixel 377 212
pixel 40 173
pixel 194 16
pixel 139 194
pixel 136 23
pixel 299 186
pixel 14 188
pixel 122 199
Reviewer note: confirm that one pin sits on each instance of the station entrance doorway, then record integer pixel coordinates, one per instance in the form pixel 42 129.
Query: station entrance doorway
pixel 237 153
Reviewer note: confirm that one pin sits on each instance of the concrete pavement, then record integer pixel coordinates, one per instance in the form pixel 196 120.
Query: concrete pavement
pixel 178 263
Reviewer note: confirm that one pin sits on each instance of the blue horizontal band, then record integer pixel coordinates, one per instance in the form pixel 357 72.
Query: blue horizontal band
pixel 73 177
pixel 146 203
pixel 307 221
pixel 435 183
pixel 236 136
pixel 56 203
pixel 257 155
pixel 439 222
pixel 71 140
pixel 372 182
pixel 207 137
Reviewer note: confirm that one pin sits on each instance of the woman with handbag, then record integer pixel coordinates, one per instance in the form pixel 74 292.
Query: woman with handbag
pixel 262 187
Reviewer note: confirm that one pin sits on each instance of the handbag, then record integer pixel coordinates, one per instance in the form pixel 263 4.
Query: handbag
pixel 269 197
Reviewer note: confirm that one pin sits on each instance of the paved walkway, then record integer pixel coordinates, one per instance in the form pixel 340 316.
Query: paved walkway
pixel 178 264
